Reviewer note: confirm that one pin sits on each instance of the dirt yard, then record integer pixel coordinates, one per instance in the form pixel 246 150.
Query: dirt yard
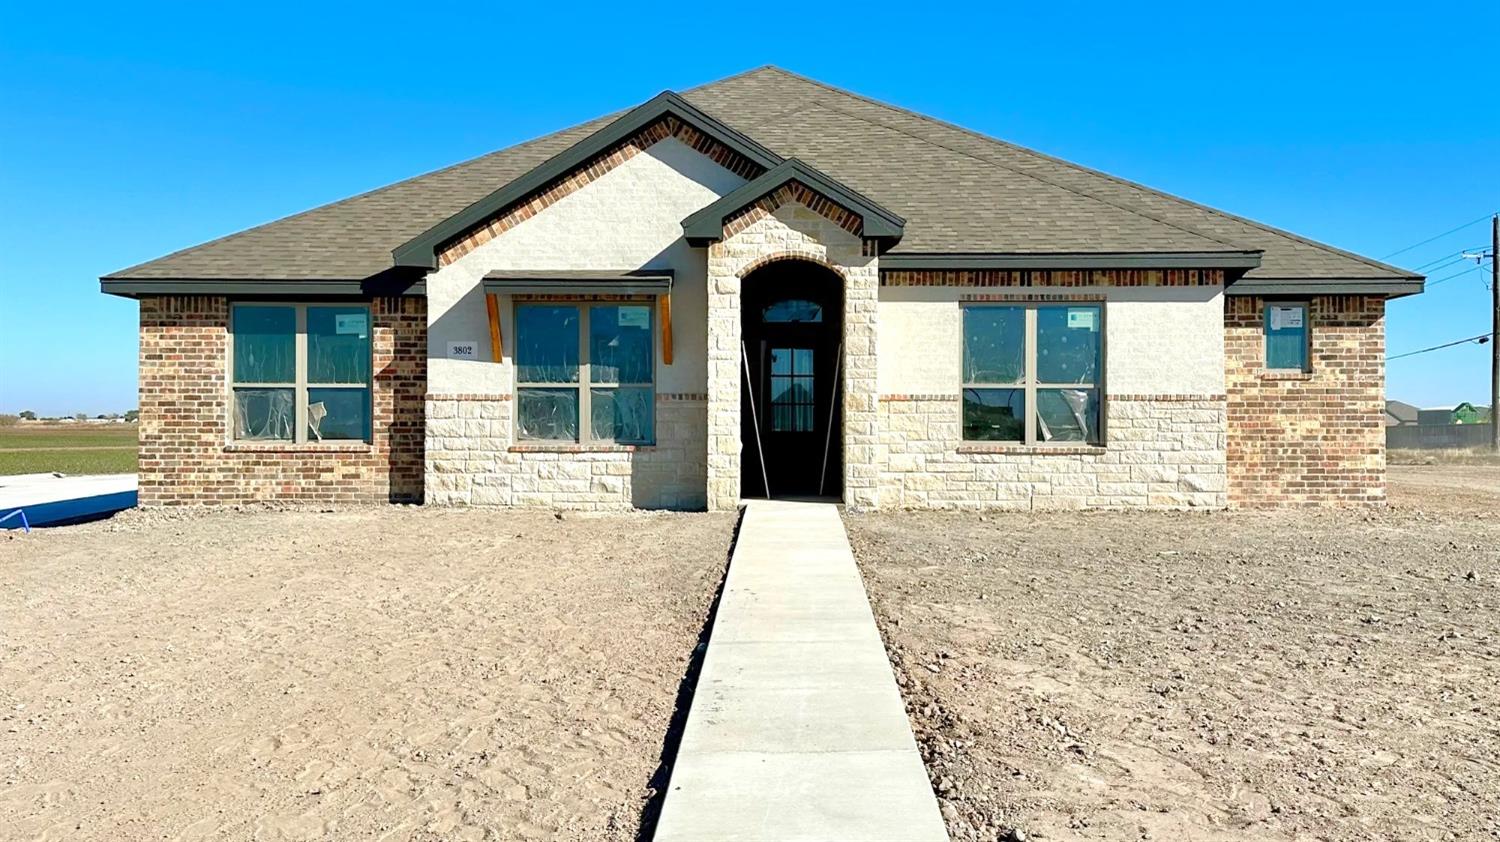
pixel 1313 675
pixel 385 673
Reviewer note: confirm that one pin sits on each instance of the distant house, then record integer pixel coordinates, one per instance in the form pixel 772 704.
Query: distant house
pixel 1398 413
pixel 1467 413
pixel 1464 413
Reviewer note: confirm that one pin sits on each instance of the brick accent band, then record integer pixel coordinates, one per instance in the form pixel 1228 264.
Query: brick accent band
pixel 591 296
pixel 936 397
pixel 1165 398
pixel 794 192
pixel 310 448
pixel 1032 450
pixel 1052 278
pixel 563 447
pixel 1024 294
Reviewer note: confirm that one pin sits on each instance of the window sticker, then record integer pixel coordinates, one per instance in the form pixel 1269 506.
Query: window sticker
pixel 1083 318
pixel 1286 318
pixel 635 317
pixel 350 323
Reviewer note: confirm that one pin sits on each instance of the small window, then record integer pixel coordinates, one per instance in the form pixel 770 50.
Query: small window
pixel 1287 337
pixel 300 372
pixel 585 372
pixel 1032 373
pixel 793 310
pixel 792 398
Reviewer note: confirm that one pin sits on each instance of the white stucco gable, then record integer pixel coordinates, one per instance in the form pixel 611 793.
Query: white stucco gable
pixel 628 218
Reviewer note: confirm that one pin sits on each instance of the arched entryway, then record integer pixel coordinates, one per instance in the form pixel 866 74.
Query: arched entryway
pixel 792 320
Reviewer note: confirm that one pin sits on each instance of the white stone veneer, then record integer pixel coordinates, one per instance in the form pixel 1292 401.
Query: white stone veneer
pixel 1163 452
pixel 472 459
pixel 792 231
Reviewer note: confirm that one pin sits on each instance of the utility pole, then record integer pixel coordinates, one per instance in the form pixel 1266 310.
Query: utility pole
pixel 1495 334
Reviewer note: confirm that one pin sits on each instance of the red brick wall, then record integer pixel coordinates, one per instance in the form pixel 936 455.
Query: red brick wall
pixel 185 456
pixel 1313 439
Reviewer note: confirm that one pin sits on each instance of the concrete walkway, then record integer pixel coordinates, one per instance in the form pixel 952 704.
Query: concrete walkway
pixel 797 730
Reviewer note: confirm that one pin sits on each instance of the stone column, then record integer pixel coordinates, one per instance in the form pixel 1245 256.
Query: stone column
pixel 861 392
pixel 723 379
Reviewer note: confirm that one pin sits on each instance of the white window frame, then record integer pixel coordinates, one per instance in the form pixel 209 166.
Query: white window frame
pixel 299 386
pixel 1028 382
pixel 585 384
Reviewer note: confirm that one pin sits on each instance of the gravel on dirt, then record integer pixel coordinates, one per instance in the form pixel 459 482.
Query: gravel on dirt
pixel 1328 674
pixel 380 673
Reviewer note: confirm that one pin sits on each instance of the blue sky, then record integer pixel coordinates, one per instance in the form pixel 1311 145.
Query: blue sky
pixel 133 130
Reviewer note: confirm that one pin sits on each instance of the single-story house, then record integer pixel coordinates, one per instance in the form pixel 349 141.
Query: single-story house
pixel 1400 414
pixel 765 285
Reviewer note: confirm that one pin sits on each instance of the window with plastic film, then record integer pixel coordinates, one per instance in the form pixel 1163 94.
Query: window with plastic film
pixel 300 372
pixel 585 372
pixel 1032 373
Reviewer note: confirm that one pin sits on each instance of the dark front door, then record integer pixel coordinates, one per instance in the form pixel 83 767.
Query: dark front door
pixel 792 332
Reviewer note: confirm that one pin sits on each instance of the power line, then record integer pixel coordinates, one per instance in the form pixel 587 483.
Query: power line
pixel 1438 237
pixel 1446 260
pixel 1481 339
pixel 1475 268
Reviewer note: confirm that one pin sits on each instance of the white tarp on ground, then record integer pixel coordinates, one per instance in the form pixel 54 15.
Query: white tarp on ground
pixel 66 497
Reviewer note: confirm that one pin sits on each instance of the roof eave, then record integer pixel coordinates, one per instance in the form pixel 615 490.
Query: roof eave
pixel 1397 287
pixel 421 251
pixel 384 284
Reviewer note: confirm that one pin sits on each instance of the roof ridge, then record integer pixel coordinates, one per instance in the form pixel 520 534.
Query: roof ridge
pixel 730 78
pixel 1270 229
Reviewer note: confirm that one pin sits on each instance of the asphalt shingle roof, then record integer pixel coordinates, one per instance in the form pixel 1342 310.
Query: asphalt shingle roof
pixel 958 190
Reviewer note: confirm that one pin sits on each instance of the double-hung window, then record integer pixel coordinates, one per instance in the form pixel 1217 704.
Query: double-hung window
pixel 1032 373
pixel 300 372
pixel 585 372
pixel 1287 337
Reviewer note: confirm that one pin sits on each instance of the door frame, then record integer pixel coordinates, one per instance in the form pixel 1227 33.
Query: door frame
pixel 821 458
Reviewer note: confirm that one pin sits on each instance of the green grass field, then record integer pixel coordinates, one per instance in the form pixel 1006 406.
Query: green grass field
pixel 68 448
